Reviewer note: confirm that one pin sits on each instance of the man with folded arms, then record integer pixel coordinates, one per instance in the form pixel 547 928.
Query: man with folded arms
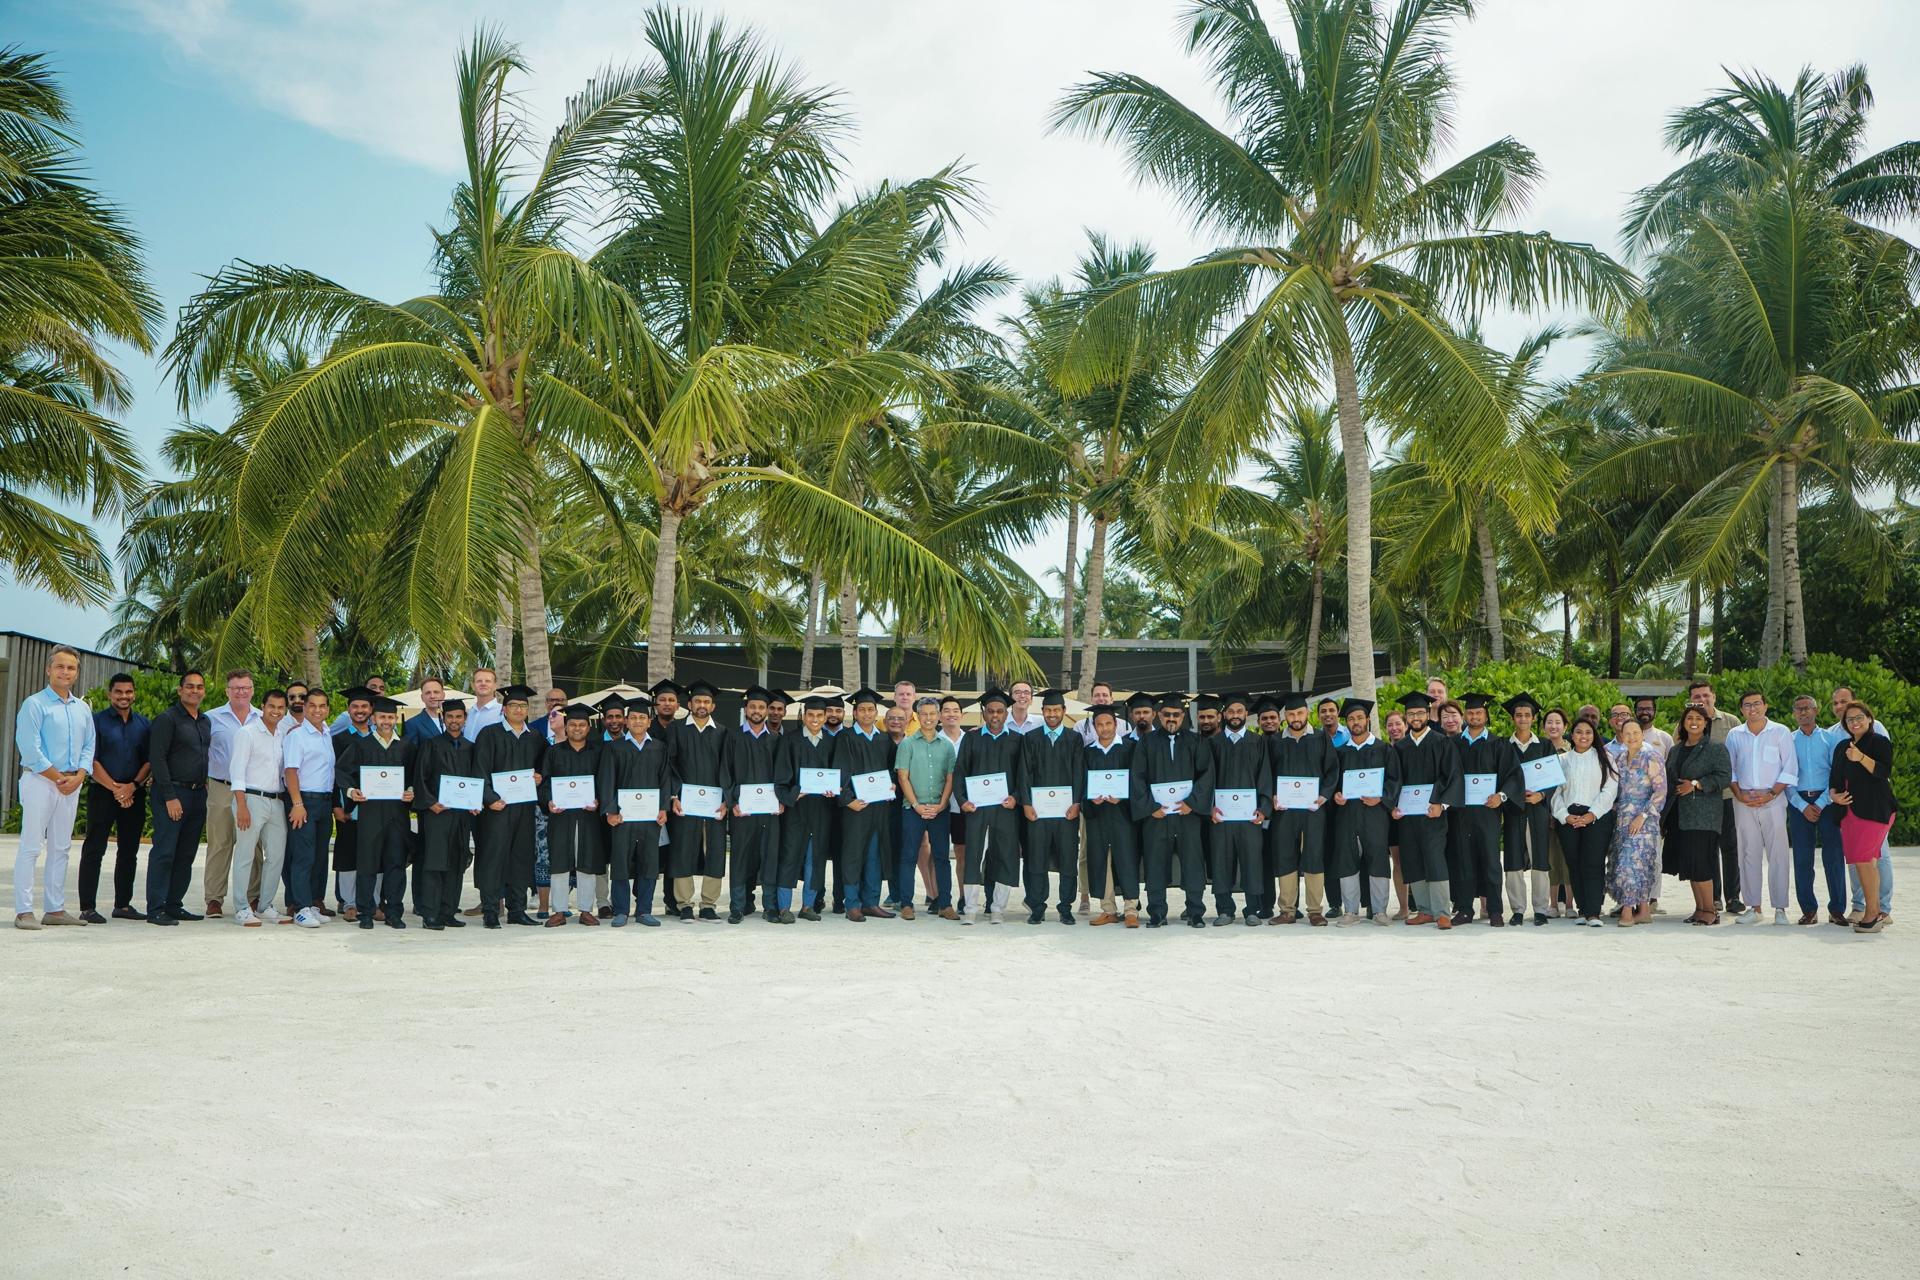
pixel 306 769
pixel 696 754
pixel 633 762
pixel 1427 759
pixel 1297 754
pixel 380 852
pixel 180 742
pixel 55 739
pixel 923 768
pixel 117 800
pixel 446 812
pixel 1113 843
pixel 1360 827
pixel 258 784
pixel 1239 845
pixel 753 768
pixel 1169 829
pixel 1052 758
pixel 575 831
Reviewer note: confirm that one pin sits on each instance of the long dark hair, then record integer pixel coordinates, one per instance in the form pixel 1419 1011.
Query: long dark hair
pixel 1593 737
pixel 1706 725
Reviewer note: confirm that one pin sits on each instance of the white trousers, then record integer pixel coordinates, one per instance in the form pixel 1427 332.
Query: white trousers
pixel 265 838
pixel 994 897
pixel 1542 891
pixel 561 892
pixel 1762 837
pixel 346 884
pixel 1380 887
pixel 46 822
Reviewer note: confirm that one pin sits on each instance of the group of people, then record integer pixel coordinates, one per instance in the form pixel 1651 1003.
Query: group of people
pixel 1281 808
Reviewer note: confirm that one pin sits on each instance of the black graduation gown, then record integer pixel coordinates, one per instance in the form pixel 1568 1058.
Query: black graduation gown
pixel 632 764
pixel 1359 832
pixel 1299 837
pixel 1053 843
pixel 755 839
pixel 382 825
pixel 1527 826
pixel 1113 837
pixel 504 849
pixel 808 820
pixel 855 753
pixel 993 834
pixel 346 832
pixel 1173 836
pixel 1423 840
pixel 576 838
pixel 443 836
pixel 1479 868
pixel 697 757
pixel 1237 857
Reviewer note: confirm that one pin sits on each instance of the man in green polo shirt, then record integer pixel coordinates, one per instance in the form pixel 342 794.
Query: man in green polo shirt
pixel 924 763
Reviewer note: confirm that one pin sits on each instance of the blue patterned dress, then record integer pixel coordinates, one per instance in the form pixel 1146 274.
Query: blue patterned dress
pixel 1643 793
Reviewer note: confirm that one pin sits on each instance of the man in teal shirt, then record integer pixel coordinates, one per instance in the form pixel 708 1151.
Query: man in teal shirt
pixel 924 763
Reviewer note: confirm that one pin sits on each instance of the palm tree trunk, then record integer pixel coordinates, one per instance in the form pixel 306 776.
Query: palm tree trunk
pixel 1473 641
pixel 1353 444
pixel 533 620
pixel 503 639
pixel 816 582
pixel 1613 621
pixel 1489 583
pixel 666 572
pixel 1693 629
pixel 310 657
pixel 1426 667
pixel 1566 627
pixel 946 671
pixel 1066 595
pixel 1315 601
pixel 1772 640
pixel 849 636
pixel 1096 600
pixel 1719 629
pixel 1793 607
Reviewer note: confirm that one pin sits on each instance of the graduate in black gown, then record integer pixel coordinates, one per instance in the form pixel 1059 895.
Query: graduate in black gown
pixel 1486 760
pixel 863 750
pixel 633 764
pixel 1113 838
pixel 991 751
pixel 1427 758
pixel 346 831
pixel 1171 755
pixel 504 843
pixel 668 698
pixel 1361 827
pixel 445 828
pixel 1238 855
pixel 1052 757
pixel 806 829
pixel 381 849
pixel 1301 759
pixel 696 754
pixel 576 831
pixel 753 771
pixel 1527 819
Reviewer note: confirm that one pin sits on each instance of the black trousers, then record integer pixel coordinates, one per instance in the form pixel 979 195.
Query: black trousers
pixel 438 894
pixel 1460 877
pixel 1526 829
pixel 1238 859
pixel 1726 885
pixel 1162 840
pixel 1360 844
pixel 1586 853
pixel 170 864
pixel 504 867
pixel 1051 842
pixel 1111 838
pixel 1423 848
pixel 1479 832
pixel 105 818
pixel 382 852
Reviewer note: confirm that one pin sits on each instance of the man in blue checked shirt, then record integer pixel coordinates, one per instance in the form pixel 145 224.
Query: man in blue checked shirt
pixel 1811 818
pixel 55 739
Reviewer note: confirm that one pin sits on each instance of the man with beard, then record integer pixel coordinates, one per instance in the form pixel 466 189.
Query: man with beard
pixel 1360 826
pixel 1487 763
pixel 1429 784
pixel 1237 855
pixel 695 754
pixel 1299 762
pixel 809 787
pixel 630 765
pixel 1113 843
pixel 668 698
pixel 1139 716
pixel 864 756
pixel 380 852
pixel 505 838
pixel 753 770
pixel 990 759
pixel 1330 716
pixel 1206 714
pixel 446 776
pixel 1052 758
pixel 1528 818
pixel 1170 785
pixel 355 722
pixel 777 704
pixel 575 827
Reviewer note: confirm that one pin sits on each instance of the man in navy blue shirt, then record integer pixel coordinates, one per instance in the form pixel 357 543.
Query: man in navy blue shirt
pixel 116 800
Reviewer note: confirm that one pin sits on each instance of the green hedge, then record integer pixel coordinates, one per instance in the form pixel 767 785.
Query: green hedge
pixel 1895 703
pixel 1552 684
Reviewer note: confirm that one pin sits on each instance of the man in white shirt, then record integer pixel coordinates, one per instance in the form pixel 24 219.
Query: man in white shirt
pixel 1764 767
pixel 306 770
pixel 486 707
pixel 1102 694
pixel 258 791
pixel 1019 717
pixel 225 720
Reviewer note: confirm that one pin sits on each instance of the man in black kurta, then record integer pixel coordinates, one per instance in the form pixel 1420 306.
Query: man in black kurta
pixel 1301 761
pixel 445 828
pixel 1527 818
pixel 504 847
pixel 1362 827
pixel 1485 761
pixel 576 831
pixel 989 752
pixel 806 828
pixel 696 754
pixel 1427 758
pixel 1171 829
pixel 863 750
pixel 668 698
pixel 753 769
pixel 346 831
pixel 1052 757
pixel 1113 838
pixel 1237 855
pixel 634 763
pixel 381 851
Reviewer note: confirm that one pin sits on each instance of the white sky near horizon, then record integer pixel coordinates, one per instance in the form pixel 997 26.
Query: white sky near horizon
pixel 1587 85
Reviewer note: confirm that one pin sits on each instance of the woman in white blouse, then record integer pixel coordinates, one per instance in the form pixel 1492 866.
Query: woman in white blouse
pixel 1583 812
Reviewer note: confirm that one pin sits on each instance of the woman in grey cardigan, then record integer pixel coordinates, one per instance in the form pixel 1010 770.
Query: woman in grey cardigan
pixel 1697 769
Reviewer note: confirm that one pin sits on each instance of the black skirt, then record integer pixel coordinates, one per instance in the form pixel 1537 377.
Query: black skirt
pixel 1693 855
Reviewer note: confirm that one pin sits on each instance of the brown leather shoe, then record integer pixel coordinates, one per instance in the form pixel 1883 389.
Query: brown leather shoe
pixel 879 913
pixel 351 915
pixel 856 915
pixel 213 909
pixel 60 918
pixel 1811 917
pixel 473 911
pixel 1839 918
pixel 1285 917
pixel 948 913
pixel 587 917
pixel 1421 917
pixel 1316 919
pixel 1133 919
pixel 1445 922
pixel 1105 917
pixel 380 915
pixel 906 912
pixel 326 911
pixel 555 920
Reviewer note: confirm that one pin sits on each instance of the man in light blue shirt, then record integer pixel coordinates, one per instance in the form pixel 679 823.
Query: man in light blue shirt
pixel 1811 819
pixel 226 720
pixel 1329 712
pixel 54 735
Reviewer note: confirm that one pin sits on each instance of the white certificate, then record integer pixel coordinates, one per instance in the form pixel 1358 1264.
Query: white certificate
pixel 1480 786
pixel 1107 784
pixel 515 786
pixel 1235 804
pixel 872 788
pixel 697 801
pixel 1363 784
pixel 639 804
pixel 1169 795
pixel 383 781
pixel 1544 772
pixel 1415 797
pixel 819 782
pixel 1052 802
pixel 986 789
pixel 572 793
pixel 1296 793
pixel 459 793
pixel 757 798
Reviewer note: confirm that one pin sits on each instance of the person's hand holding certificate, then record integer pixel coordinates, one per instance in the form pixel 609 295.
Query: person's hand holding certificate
pixel 383 781
pixel 639 804
pixel 1363 784
pixel 1296 793
pixel 986 789
pixel 573 793
pixel 1171 795
pixel 1479 786
pixel 1543 772
pixel 819 782
pixel 757 800
pixel 697 801
pixel 1415 797
pixel 459 793
pixel 1235 804
pixel 515 786
pixel 873 788
pixel 1052 802
pixel 1107 784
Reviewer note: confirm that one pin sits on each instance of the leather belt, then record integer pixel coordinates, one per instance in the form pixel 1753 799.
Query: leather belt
pixel 264 795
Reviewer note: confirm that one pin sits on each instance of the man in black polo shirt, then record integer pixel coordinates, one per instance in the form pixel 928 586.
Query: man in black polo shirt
pixel 116 800
pixel 179 745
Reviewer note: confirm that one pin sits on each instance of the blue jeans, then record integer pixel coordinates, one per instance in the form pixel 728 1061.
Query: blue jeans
pixel 864 891
pixel 912 827
pixel 306 871
pixel 1886 884
pixel 170 865
pixel 1803 835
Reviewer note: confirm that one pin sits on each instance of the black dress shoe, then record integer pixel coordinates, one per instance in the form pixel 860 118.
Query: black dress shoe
pixel 1462 917
pixel 181 913
pixel 520 917
pixel 1197 922
pixel 708 913
pixel 162 920
pixel 686 913
pixel 1519 917
pixel 128 913
pixel 1156 922
pixel 93 917
pixel 1066 915
pixel 490 920
pixel 1037 916
pixel 1540 918
pixel 395 921
pixel 772 914
pixel 366 922
pixel 436 926
pixel 454 922
pixel 733 917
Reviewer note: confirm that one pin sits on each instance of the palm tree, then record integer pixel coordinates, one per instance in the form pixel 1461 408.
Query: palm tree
pixel 71 278
pixel 1350 248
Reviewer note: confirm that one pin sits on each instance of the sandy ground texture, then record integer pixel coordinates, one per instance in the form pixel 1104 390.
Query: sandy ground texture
pixel 921 1099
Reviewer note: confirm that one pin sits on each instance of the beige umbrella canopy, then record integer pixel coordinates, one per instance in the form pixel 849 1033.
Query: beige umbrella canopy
pixel 598 696
pixel 411 704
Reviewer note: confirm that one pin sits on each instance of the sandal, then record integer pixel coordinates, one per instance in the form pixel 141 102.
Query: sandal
pixel 1695 919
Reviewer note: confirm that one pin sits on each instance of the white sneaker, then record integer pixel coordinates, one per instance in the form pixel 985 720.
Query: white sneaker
pixel 1595 923
pixel 996 917
pixel 969 917
pixel 1779 915
pixel 268 915
pixel 308 918
pixel 1750 916
pixel 1382 918
pixel 1349 920
pixel 245 917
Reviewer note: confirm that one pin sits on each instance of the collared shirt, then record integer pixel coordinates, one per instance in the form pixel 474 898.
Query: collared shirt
pixel 868 734
pixel 424 726
pixel 309 752
pixel 1813 754
pixel 480 715
pixel 927 762
pixel 1053 735
pixel 1762 760
pixel 1352 743
pixel 1586 785
pixel 1233 735
pixel 254 759
pixel 1106 749
pixel 179 746
pixel 120 746
pixel 224 725
pixel 1468 736
pixel 1022 726
pixel 54 733
pixel 1339 737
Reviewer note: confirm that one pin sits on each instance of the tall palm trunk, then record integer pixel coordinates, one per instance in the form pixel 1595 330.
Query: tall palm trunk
pixel 533 620
pixel 1566 627
pixel 1096 600
pixel 1793 608
pixel 1719 628
pixel 1315 602
pixel 1613 621
pixel 849 636
pixel 503 639
pixel 1772 639
pixel 1354 448
pixel 946 671
pixel 816 582
pixel 1473 641
pixel 1693 629
pixel 310 657
pixel 1489 583
pixel 1066 595
pixel 666 569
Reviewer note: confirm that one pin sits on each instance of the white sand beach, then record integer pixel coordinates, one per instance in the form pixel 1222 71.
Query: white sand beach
pixel 921 1099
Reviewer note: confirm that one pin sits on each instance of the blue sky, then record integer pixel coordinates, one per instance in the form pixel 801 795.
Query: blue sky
pixel 320 132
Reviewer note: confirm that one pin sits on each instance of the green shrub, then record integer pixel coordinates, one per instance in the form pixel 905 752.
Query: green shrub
pixel 1553 684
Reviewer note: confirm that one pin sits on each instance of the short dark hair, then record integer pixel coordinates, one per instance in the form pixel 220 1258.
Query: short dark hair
pixel 320 694
pixel 271 694
pixel 950 698
pixel 190 673
pixel 119 677
pixel 1325 702
pixel 1700 684
pixel 1753 693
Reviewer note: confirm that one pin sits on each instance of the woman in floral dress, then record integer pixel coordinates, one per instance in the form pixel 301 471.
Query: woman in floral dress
pixel 1642 795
